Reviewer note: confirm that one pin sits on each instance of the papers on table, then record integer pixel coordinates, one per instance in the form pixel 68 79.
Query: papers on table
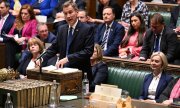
pixel 108 90
pixel 67 97
pixel 52 68
pixel 105 96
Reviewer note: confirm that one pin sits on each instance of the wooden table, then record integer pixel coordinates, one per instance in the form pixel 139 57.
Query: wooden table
pixel 2 55
pixel 70 82
pixel 135 104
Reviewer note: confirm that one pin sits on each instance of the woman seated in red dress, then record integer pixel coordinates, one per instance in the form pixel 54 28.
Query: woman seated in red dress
pixel 133 40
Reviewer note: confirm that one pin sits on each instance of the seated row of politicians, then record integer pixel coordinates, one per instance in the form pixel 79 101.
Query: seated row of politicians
pixel 158 86
pixel 79 45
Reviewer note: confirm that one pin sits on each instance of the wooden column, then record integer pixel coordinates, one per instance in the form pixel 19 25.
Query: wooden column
pixel 121 2
pixel 91 8
pixel 2 55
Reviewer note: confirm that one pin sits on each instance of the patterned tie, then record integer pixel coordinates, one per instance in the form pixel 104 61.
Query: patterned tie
pixel 156 48
pixel 104 40
pixel 69 39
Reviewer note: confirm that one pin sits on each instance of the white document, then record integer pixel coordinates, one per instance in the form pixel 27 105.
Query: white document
pixel 65 70
pixel 52 68
pixel 49 68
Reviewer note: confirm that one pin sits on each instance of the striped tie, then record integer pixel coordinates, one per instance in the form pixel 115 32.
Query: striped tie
pixel 104 40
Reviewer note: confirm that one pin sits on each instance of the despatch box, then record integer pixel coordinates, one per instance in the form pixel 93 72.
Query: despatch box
pixel 70 81
pixel 27 93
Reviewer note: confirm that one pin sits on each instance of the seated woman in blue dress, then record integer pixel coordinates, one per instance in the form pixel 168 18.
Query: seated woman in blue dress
pixel 44 7
pixel 155 82
pixel 99 68
pixel 171 93
pixel 36 47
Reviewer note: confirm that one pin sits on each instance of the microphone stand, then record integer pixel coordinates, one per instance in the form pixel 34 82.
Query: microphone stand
pixel 40 66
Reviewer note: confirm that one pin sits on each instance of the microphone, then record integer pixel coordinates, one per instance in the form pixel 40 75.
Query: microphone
pixel 40 56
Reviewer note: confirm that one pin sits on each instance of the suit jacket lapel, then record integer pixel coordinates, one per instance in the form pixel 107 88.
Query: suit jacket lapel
pixel 25 28
pixel 148 84
pixel 160 84
pixel 5 24
pixel 102 32
pixel 65 36
pixel 163 39
pixel 152 41
pixel 76 31
pixel 111 32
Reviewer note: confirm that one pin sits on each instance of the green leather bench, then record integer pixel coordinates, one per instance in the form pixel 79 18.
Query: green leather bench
pixel 127 79
pixel 163 8
pixel 129 75
pixel 166 16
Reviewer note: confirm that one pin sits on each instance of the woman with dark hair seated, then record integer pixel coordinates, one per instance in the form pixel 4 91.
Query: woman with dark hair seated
pixel 133 40
pixel 171 93
pixel 99 68
pixel 156 82
pixel 35 46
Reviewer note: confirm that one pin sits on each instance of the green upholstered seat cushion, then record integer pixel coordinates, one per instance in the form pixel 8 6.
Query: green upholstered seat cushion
pixel 127 79
pixel 166 16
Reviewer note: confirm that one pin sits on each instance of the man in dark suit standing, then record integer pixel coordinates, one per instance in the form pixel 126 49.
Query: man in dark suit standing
pixel 109 34
pixel 75 42
pixel 159 38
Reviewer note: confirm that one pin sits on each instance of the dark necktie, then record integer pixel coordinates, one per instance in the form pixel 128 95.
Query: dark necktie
pixel 69 39
pixel 104 40
pixel 156 48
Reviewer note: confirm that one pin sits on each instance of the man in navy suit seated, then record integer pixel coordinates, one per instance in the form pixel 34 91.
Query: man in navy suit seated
pixel 109 34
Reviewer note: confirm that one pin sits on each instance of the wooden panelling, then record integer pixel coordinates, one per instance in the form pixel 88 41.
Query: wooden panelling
pixel 2 55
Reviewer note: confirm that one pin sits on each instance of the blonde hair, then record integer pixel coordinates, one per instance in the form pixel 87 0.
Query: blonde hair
pixel 35 40
pixel 163 58
pixel 99 52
